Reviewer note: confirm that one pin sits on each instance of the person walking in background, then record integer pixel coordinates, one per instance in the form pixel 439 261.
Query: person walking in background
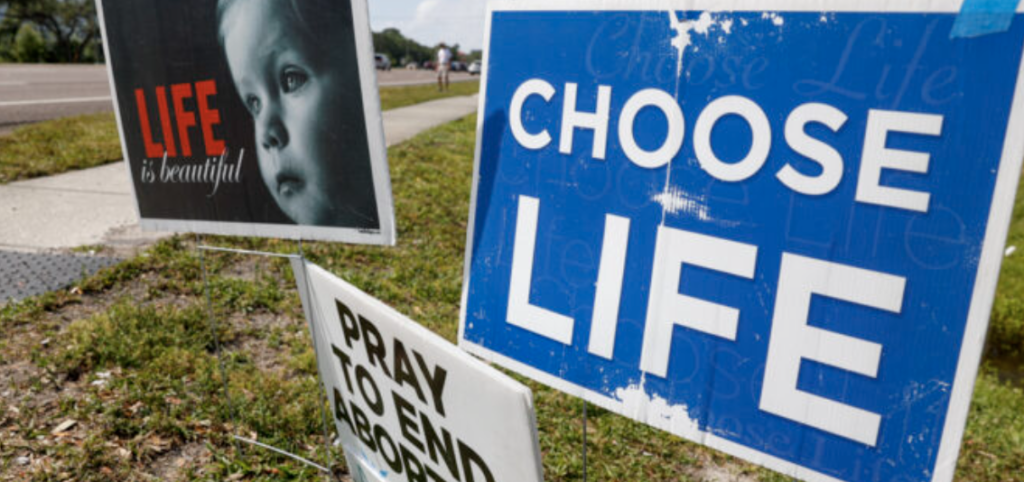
pixel 444 61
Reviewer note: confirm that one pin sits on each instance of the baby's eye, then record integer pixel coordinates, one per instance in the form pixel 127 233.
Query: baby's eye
pixel 293 79
pixel 253 104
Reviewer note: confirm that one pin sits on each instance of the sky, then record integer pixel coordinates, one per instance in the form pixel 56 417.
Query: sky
pixel 432 21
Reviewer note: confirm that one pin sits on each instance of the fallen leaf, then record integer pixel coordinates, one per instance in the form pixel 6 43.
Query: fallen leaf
pixel 157 444
pixel 64 427
pixel 136 407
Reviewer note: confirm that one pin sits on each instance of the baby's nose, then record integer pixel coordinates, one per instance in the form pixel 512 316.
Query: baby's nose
pixel 275 136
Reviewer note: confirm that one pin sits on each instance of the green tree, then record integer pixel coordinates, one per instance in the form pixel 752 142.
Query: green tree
pixel 69 28
pixel 29 45
pixel 453 48
pixel 403 50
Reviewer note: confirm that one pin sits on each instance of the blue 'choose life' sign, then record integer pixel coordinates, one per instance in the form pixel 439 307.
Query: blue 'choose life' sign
pixel 765 227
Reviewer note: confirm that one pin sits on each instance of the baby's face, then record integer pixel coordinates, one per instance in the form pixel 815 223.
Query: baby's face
pixel 290 88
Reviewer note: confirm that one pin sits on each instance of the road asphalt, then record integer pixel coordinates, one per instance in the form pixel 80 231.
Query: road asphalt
pixel 35 93
pixel 95 206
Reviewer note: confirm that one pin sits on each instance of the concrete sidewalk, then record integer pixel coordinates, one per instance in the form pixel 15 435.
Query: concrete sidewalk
pixel 95 206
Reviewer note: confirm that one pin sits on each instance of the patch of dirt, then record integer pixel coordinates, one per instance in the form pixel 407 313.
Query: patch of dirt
pixel 129 241
pixel 249 268
pixel 255 330
pixel 31 426
pixel 716 473
pixel 34 400
pixel 176 462
pixel 257 347
pixel 715 467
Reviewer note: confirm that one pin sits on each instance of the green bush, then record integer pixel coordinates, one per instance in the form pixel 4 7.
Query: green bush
pixel 29 46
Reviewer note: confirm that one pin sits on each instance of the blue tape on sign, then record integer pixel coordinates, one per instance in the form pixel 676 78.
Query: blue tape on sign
pixel 982 17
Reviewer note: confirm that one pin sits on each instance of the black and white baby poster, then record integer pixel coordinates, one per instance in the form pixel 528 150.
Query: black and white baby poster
pixel 251 117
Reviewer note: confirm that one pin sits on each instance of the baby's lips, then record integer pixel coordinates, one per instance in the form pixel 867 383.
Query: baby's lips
pixel 288 180
pixel 288 185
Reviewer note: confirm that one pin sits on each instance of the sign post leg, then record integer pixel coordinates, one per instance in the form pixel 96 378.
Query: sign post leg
pixel 323 401
pixel 216 340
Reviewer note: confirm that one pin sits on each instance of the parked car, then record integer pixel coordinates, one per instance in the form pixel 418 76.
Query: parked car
pixel 382 61
pixel 412 66
pixel 458 66
pixel 428 65
pixel 474 68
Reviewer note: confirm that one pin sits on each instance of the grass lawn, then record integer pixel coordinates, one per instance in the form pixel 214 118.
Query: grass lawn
pixel 62 145
pixel 127 355
pixel 1006 335
pixel 395 97
pixel 58 146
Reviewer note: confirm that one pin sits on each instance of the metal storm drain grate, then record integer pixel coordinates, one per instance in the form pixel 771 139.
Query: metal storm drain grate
pixel 27 274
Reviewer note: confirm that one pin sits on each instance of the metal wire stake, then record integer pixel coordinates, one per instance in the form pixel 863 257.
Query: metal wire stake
pixel 246 251
pixel 283 452
pixel 324 401
pixel 584 440
pixel 216 340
